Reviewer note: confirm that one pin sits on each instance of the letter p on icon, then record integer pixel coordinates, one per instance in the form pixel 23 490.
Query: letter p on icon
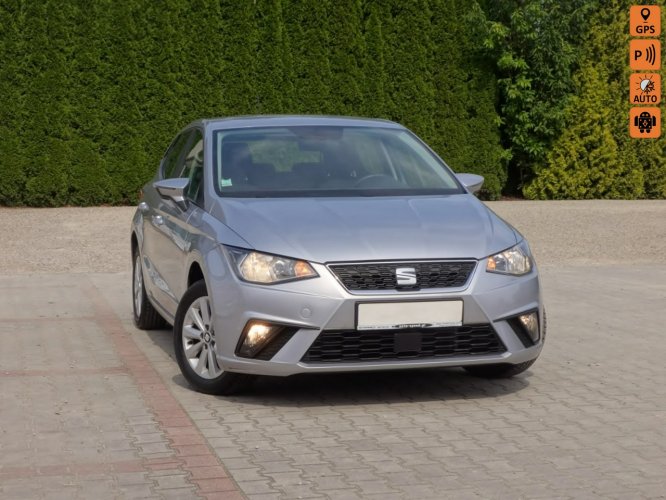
pixel 644 54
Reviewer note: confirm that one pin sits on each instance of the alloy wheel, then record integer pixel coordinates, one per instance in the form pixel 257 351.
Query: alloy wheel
pixel 138 284
pixel 198 340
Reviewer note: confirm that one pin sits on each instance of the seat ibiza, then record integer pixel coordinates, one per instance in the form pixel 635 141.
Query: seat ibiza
pixel 296 244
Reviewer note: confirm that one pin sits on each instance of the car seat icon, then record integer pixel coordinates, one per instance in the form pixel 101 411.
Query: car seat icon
pixel 645 121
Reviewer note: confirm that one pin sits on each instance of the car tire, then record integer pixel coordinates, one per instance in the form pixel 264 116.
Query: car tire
pixel 194 345
pixel 145 316
pixel 505 370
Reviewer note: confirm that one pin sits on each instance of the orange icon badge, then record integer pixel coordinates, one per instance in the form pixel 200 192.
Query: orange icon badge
pixel 644 123
pixel 645 54
pixel 645 20
pixel 645 88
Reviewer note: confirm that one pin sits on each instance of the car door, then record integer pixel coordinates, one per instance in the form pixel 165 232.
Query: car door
pixel 164 239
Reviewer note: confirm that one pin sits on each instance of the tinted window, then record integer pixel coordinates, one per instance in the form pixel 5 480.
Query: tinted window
pixel 172 163
pixel 326 161
pixel 193 167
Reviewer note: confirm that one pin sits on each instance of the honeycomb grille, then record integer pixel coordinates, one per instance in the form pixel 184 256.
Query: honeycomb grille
pixel 392 345
pixel 382 275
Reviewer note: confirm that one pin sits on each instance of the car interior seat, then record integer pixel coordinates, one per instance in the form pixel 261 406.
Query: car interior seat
pixel 261 174
pixel 236 162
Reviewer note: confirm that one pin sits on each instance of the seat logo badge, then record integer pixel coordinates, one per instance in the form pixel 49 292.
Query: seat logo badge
pixel 405 276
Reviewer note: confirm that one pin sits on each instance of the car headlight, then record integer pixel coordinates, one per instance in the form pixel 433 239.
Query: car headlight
pixel 515 261
pixel 258 267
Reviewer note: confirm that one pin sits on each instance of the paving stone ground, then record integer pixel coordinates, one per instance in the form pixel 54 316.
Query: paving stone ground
pixel 93 408
pixel 84 414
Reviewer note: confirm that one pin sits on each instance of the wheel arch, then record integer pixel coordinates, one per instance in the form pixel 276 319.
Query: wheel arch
pixel 134 242
pixel 196 268
pixel 195 273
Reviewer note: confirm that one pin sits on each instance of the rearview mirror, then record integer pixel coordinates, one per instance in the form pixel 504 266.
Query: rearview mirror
pixel 174 190
pixel 472 182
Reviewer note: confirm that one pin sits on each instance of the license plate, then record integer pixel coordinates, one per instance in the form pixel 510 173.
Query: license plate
pixel 422 314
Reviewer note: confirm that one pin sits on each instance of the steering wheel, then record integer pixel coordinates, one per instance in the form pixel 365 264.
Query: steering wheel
pixel 363 181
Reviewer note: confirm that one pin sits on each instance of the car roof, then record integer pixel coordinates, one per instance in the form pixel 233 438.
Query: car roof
pixel 234 122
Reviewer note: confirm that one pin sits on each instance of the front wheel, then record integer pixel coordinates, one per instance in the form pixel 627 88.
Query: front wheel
pixel 195 345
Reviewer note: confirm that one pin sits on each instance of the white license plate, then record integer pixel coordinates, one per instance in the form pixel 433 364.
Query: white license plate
pixel 423 314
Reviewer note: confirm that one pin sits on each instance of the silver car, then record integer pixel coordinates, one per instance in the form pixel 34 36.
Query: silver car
pixel 278 245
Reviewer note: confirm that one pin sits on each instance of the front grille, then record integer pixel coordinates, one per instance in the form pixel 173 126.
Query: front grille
pixel 419 343
pixel 382 275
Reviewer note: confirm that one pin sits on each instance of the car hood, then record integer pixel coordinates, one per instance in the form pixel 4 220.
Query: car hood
pixel 370 228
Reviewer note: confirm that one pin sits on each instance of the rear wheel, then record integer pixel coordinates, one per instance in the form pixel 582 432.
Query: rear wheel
pixel 195 346
pixel 146 316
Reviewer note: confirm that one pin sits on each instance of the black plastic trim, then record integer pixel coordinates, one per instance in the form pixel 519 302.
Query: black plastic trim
pixel 367 276
pixel 274 343
pixel 520 331
pixel 354 346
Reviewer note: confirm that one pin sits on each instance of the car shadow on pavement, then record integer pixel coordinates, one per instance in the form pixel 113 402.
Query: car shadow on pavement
pixel 395 386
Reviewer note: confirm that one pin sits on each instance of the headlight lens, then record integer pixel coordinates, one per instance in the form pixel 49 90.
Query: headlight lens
pixel 260 267
pixel 515 261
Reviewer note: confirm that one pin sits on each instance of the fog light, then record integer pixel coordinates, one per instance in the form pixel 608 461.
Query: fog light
pixel 255 336
pixel 530 323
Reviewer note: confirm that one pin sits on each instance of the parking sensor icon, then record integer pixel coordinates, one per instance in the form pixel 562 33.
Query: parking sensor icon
pixel 645 54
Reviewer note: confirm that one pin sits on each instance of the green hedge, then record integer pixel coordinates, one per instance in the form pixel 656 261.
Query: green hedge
pixel 563 77
pixel 594 157
pixel 92 92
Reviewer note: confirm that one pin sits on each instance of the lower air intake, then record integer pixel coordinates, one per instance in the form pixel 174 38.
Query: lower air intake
pixel 394 345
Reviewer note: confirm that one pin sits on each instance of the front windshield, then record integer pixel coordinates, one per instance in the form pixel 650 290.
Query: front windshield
pixel 326 161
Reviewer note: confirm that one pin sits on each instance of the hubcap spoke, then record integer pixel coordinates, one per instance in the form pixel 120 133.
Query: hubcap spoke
pixel 204 308
pixel 201 367
pixel 198 340
pixel 191 333
pixel 195 314
pixel 212 363
pixel 193 350
pixel 138 285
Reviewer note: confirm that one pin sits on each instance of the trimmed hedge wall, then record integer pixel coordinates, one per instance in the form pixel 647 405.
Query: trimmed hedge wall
pixel 92 92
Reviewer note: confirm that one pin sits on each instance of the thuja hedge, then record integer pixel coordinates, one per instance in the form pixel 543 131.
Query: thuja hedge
pixel 92 92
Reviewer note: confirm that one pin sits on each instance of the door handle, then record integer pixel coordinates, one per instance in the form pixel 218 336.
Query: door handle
pixel 158 220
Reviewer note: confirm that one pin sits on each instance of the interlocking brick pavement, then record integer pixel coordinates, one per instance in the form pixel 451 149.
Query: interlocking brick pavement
pixel 587 421
pixel 84 413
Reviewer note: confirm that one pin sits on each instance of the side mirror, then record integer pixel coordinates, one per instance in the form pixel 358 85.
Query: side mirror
pixel 174 190
pixel 472 182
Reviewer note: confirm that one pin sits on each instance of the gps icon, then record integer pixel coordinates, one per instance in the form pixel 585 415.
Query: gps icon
pixel 645 20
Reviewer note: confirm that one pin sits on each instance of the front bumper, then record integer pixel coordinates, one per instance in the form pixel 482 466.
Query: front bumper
pixel 323 304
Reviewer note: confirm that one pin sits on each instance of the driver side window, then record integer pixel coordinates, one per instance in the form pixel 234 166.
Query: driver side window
pixel 172 164
pixel 193 168
pixel 184 159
